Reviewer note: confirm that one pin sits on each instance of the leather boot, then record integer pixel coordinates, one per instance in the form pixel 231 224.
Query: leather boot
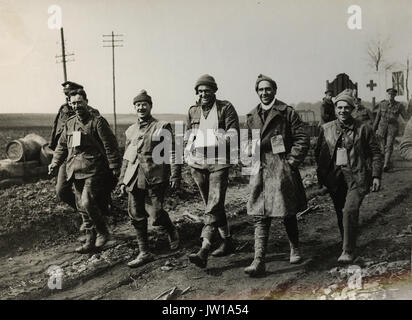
pixel 103 234
pixel 227 247
pixel 295 256
pixel 142 258
pixel 346 257
pixel 144 255
pixel 89 245
pixel 200 258
pixel 257 267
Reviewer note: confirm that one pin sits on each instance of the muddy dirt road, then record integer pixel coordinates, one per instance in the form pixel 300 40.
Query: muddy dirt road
pixel 382 270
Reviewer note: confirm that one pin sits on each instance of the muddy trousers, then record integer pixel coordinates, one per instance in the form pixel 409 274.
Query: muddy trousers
pixel 65 193
pixel 144 203
pixel 64 188
pixel 262 226
pixel 212 187
pixel 347 202
pixel 89 192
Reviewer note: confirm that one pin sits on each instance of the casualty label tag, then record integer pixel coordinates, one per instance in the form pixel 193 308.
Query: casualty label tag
pixel 77 136
pixel 341 157
pixel 277 144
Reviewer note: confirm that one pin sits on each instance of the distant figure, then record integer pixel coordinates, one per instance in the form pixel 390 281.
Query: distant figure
pixel 276 189
pixel 145 179
pixel 349 164
pixel 92 154
pixel 386 124
pixel 361 113
pixel 327 109
pixel 209 168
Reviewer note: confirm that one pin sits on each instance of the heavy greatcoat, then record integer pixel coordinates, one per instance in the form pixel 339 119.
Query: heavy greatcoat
pixel 276 187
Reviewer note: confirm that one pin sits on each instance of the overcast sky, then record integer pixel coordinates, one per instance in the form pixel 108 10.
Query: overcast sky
pixel 169 44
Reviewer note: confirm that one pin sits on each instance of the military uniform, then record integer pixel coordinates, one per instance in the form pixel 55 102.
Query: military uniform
pixel 349 180
pixel 88 165
pixel 208 156
pixel 386 126
pixel 146 180
pixel 63 187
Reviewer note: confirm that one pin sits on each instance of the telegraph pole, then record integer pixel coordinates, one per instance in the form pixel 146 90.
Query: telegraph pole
pixel 113 44
pixel 64 55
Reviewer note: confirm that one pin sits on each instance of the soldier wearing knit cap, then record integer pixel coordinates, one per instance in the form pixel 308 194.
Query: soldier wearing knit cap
pixel 145 179
pixel 217 120
pixel 276 189
pixel 349 165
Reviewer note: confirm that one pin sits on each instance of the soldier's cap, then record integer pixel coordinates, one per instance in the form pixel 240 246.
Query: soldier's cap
pixel 71 85
pixel 392 90
pixel 328 90
pixel 206 80
pixel 142 96
pixel 262 77
pixel 347 96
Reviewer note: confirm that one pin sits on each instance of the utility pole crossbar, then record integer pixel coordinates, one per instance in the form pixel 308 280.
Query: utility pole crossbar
pixel 113 45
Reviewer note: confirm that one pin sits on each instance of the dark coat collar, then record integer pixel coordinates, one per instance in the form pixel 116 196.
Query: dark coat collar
pixel 277 109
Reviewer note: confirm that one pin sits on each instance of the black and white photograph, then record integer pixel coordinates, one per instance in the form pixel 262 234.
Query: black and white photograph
pixel 222 152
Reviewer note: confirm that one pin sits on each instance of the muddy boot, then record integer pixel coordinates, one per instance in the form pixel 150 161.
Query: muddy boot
pixel 200 258
pixel 103 234
pixel 295 256
pixel 142 240
pixel 257 268
pixel 142 259
pixel 227 247
pixel 89 245
pixel 174 239
pixel 346 257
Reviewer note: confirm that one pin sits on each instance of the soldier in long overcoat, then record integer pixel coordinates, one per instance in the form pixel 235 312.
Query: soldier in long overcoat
pixel 276 187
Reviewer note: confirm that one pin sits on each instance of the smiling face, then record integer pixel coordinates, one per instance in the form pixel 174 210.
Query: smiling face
pixel 206 95
pixel 79 104
pixel 343 111
pixel 266 92
pixel 143 109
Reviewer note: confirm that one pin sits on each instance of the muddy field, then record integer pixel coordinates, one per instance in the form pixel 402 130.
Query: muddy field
pixel 37 232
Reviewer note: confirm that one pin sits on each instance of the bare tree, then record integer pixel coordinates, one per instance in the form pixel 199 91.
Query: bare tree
pixel 377 51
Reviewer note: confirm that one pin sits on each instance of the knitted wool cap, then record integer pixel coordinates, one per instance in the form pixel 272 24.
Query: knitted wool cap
pixel 206 80
pixel 262 77
pixel 142 96
pixel 347 96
